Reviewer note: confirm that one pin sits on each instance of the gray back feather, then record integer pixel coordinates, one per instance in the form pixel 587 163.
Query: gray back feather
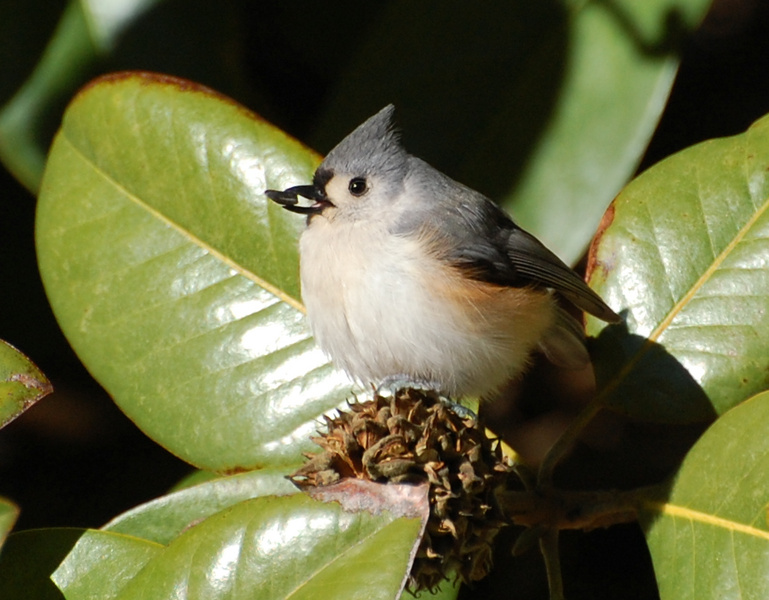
pixel 478 235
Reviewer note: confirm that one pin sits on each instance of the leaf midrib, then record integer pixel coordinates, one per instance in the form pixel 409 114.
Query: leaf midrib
pixel 228 261
pixel 679 306
pixel 708 273
pixel 683 512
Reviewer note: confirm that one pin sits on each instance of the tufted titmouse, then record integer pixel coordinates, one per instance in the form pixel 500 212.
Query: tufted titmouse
pixel 408 275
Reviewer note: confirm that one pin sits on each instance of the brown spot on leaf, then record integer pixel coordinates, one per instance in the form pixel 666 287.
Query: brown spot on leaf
pixel 32 383
pixel 160 79
pixel 149 78
pixel 592 260
pixel 404 500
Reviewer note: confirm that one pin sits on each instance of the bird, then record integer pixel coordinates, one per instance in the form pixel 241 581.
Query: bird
pixel 410 277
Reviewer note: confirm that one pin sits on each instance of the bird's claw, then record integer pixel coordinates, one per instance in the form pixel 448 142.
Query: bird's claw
pixel 391 385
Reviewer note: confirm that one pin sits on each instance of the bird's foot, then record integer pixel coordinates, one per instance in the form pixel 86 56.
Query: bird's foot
pixel 392 384
pixel 458 409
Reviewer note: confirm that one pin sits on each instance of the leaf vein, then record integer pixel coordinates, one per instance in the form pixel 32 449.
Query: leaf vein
pixel 193 238
pixel 694 516
pixel 708 273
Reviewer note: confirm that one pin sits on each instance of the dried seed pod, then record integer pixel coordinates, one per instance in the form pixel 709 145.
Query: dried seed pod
pixel 414 437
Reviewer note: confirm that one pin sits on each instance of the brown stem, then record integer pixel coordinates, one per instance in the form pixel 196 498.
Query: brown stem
pixel 564 509
pixel 546 512
pixel 548 545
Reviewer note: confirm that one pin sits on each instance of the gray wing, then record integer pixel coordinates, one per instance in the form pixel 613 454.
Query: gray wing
pixel 531 259
pixel 476 235
pixel 495 249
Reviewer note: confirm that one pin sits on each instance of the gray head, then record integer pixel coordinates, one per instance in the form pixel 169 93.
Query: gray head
pixel 363 171
pixel 372 148
pixel 362 174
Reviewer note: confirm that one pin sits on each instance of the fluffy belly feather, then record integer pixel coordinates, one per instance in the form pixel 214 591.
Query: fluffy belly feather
pixel 388 309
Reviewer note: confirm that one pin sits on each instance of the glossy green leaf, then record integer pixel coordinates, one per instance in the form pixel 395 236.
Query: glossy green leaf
pixel 101 564
pixel 163 519
pixel 21 383
pixel 685 254
pixel 29 557
pixel 544 106
pixel 175 279
pixel 710 537
pixel 271 547
pixel 9 512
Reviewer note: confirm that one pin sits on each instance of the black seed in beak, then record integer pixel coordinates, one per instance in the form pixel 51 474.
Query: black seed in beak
pixel 288 199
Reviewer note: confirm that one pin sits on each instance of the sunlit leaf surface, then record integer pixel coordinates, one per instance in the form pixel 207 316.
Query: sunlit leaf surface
pixel 175 279
pixel 163 519
pixel 710 537
pixel 685 253
pixel 102 564
pixel 266 548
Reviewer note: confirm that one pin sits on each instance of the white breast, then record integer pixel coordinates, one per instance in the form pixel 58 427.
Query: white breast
pixel 380 306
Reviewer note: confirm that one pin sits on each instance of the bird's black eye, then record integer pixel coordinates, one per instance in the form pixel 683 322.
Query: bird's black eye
pixel 358 186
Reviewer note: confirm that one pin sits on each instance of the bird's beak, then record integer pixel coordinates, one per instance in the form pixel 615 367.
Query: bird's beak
pixel 288 199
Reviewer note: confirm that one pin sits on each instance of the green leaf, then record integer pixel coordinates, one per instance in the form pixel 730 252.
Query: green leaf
pixel 28 559
pixel 710 538
pixel 163 519
pixel 9 512
pixel 21 383
pixel 684 254
pixel 272 547
pixel 101 564
pixel 175 279
pixel 546 106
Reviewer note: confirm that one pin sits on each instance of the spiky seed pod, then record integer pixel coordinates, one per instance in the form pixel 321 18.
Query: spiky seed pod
pixel 413 437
